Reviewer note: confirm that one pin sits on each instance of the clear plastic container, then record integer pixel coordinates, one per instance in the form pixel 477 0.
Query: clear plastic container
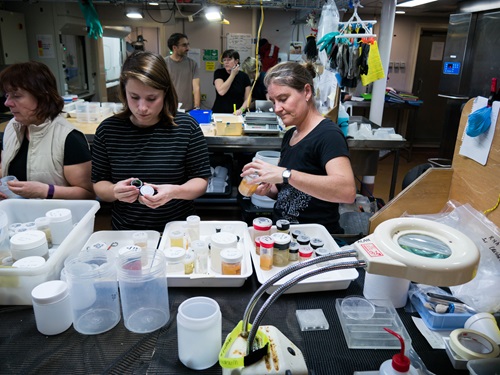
pixel 29 243
pixel 193 227
pixel 219 241
pixel 261 226
pixel 43 224
pixel 281 249
pixel 231 261
pixel 200 250
pixel 266 252
pixel 246 187
pixel 61 224
pixel 176 238
pixel 175 259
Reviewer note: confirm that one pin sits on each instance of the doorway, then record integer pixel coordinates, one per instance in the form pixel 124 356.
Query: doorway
pixel 430 116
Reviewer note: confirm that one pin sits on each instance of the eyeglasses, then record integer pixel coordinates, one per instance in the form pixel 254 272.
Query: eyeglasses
pixel 183 45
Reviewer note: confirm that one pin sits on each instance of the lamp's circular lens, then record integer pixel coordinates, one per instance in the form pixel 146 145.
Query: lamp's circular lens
pixel 424 245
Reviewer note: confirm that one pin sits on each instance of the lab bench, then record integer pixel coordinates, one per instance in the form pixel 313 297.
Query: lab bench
pixel 25 351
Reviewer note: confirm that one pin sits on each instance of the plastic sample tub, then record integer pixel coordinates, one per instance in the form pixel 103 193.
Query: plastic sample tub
pixel 16 284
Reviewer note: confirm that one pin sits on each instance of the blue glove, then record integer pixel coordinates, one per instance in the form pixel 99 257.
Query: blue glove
pixel 327 42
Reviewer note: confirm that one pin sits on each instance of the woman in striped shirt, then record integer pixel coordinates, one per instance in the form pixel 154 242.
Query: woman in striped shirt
pixel 149 141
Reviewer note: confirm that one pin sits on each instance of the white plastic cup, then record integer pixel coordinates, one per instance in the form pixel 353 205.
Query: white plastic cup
pixel 484 323
pixel 61 224
pixel 199 332
pixel 91 276
pixel 390 288
pixel 52 307
pixel 4 187
pixel 143 290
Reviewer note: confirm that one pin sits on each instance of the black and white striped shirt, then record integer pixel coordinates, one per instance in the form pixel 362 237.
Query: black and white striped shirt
pixel 159 154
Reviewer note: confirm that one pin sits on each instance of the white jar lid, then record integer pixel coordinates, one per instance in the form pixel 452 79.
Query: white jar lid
pixel 174 254
pixel 281 238
pixel 139 236
pixel 231 255
pixel 49 292
pixel 34 261
pixel 126 249
pixel 193 219
pixel 59 215
pixel 176 233
pixel 262 223
pixel 42 221
pixel 27 240
pixel 321 251
pixel 224 239
pixel 147 190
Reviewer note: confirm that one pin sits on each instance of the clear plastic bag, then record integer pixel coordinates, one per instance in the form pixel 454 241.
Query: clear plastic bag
pixel 328 23
pixel 482 292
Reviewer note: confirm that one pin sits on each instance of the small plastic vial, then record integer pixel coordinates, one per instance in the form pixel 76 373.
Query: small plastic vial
pixel 61 224
pixel 175 259
pixel 266 253
pixel 193 227
pixel 200 250
pixel 319 253
pixel 231 261
pixel 43 224
pixel 140 239
pixel 280 250
pixel 246 187
pixel 261 226
pixel 293 252
pixel 257 245
pixel 189 262
pixel 283 226
pixel 176 238
pixel 316 243
pixel 296 233
pixel 305 251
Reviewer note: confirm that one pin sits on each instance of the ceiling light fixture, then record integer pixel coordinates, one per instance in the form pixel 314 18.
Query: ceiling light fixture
pixel 213 14
pixel 134 14
pixel 414 3
pixel 400 12
pixel 154 3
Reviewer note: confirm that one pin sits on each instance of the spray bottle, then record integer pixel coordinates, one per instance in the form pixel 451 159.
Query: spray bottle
pixel 400 363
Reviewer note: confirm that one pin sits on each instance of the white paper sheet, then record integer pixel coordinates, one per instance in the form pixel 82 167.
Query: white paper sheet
pixel 434 338
pixel 478 148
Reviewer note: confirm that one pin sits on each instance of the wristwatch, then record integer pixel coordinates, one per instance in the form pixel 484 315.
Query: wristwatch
pixel 287 173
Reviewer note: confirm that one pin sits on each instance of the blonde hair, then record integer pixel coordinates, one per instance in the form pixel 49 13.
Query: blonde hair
pixel 248 66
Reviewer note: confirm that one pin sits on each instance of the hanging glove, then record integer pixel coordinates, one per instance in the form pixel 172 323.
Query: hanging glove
pixel 327 42
pixel 94 27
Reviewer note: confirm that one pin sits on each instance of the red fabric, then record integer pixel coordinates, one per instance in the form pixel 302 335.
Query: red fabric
pixel 268 56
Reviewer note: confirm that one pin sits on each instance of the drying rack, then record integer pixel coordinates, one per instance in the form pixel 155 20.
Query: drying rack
pixel 356 21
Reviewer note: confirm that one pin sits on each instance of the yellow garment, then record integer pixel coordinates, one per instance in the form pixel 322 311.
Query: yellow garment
pixel 375 68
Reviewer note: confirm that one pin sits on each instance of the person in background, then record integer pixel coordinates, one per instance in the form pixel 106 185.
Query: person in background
pixel 314 173
pixel 152 142
pixel 183 72
pixel 49 157
pixel 232 87
pixel 259 91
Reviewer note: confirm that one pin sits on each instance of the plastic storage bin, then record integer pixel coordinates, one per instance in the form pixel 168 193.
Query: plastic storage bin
pixel 227 124
pixel 16 284
pixel 203 116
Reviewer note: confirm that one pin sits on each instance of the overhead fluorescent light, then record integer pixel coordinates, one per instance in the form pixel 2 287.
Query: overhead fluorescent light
pixel 414 3
pixel 213 14
pixel 400 12
pixel 154 3
pixel 134 14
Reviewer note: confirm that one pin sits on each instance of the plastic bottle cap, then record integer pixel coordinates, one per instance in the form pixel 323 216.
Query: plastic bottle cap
pixel 224 239
pixel 147 190
pixel 28 240
pixel 126 249
pixel 34 261
pixel 266 242
pixel 174 254
pixel 303 239
pixel 59 215
pixel 231 255
pixel 42 221
pixel 400 362
pixel 175 234
pixel 193 219
pixel 283 224
pixel 139 236
pixel 49 292
pixel 281 238
pixel 321 251
pixel 262 223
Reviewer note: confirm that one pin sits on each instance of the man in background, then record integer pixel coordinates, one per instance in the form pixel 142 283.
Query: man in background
pixel 183 72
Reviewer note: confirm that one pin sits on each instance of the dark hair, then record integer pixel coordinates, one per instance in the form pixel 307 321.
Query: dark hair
pixel 37 79
pixel 230 53
pixel 174 40
pixel 291 74
pixel 150 69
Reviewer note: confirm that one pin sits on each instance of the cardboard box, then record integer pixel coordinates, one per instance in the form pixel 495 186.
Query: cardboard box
pixel 16 284
pixel 227 124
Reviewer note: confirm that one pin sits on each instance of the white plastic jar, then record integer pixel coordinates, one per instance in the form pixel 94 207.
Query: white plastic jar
pixel 29 262
pixel 175 259
pixel 61 224
pixel 29 243
pixel 219 241
pixel 52 307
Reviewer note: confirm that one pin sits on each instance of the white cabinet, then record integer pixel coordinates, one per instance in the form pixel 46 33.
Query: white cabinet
pixel 14 43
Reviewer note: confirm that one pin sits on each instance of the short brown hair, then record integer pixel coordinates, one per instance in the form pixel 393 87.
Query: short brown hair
pixel 37 79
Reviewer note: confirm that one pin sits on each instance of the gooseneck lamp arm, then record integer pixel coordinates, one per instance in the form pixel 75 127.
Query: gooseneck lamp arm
pixel 288 270
pixel 290 283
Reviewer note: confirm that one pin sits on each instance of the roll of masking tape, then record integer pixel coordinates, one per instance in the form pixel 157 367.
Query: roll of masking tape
pixel 470 344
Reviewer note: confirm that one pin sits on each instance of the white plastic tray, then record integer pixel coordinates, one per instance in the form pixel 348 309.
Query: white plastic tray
pixel 333 280
pixel 213 279
pixel 116 239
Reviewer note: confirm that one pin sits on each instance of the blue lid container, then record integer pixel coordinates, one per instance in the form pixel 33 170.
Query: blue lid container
pixel 203 116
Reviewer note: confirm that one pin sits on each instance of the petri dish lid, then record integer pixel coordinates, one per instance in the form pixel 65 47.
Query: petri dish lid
pixel 357 308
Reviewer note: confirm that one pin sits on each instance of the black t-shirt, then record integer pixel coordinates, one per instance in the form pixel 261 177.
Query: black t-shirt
pixel 324 143
pixel 259 90
pixel 234 96
pixel 76 151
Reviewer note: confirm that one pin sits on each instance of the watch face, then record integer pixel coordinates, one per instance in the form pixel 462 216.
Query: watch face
pixel 287 173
